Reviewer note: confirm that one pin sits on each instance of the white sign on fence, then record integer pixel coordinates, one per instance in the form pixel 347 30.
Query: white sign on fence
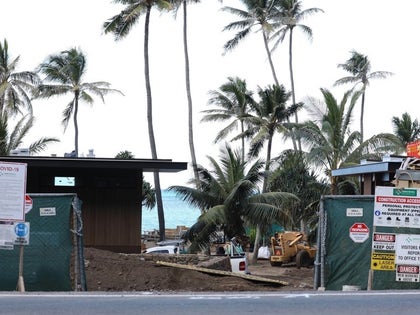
pixel 407 249
pixel 397 207
pixel 383 241
pixel 12 187
pixel 407 273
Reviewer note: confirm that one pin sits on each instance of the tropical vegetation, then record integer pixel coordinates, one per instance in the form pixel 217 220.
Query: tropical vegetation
pixel 231 196
pixel 359 67
pixel 120 26
pixel 63 75
pixel 16 93
pixel 261 181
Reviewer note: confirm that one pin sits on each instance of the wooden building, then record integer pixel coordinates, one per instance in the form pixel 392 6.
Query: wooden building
pixel 110 191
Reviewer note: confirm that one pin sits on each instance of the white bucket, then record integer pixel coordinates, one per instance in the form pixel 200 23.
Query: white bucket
pixel 351 288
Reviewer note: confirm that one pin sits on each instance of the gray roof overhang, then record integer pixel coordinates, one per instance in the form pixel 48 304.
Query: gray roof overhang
pixel 380 167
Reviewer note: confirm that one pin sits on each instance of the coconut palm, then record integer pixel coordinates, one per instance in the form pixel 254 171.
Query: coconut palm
pixel 15 87
pixel 148 194
pixel 184 4
pixel 330 141
pixel 271 116
pixel 64 74
pixel 234 102
pixel 188 86
pixel 231 197
pixel 257 14
pixel 290 14
pixel 406 129
pixel 10 141
pixel 358 65
pixel 291 173
pixel 120 26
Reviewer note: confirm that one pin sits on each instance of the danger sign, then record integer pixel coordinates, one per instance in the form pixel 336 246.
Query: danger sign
pixel 359 232
pixel 383 241
pixel 407 273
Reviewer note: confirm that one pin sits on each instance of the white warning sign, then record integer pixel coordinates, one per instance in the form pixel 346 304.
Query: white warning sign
pixel 383 241
pixel 407 273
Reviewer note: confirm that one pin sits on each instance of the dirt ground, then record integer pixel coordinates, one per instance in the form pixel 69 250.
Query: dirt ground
pixel 108 271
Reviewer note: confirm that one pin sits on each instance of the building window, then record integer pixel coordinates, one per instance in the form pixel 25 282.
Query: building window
pixel 64 181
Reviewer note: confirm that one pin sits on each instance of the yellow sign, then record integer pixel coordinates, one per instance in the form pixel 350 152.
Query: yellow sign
pixel 383 261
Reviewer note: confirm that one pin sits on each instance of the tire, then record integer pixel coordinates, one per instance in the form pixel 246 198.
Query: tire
pixel 303 259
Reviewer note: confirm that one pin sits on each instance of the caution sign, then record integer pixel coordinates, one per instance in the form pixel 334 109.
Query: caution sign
pixel 383 261
pixel 407 273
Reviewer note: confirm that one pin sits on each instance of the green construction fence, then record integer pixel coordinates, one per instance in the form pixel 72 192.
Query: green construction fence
pixel 51 258
pixel 340 260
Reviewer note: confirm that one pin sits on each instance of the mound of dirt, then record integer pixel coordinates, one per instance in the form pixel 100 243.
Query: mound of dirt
pixel 109 271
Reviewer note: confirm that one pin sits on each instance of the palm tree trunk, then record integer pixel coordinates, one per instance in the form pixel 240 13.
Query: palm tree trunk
pixel 243 141
pixel 76 127
pixel 333 188
pixel 362 113
pixel 267 49
pixel 159 203
pixel 189 98
pixel 254 257
pixel 292 85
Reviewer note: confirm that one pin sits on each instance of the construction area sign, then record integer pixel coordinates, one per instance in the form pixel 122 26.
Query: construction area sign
pixel 383 261
pixel 397 207
pixel 407 273
pixel 359 232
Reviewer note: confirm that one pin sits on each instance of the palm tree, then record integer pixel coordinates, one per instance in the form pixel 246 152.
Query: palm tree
pixel 358 65
pixel 10 141
pixel 258 13
pixel 120 25
pixel 234 102
pixel 184 4
pixel 148 194
pixel 406 129
pixel 15 87
pixel 331 143
pixel 231 198
pixel 290 15
pixel 125 155
pixel 328 136
pixel 293 174
pixel 271 116
pixel 188 90
pixel 64 73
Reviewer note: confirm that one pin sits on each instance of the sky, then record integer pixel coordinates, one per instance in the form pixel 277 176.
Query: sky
pixel 380 29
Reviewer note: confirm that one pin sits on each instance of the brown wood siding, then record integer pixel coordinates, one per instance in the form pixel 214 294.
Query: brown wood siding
pixel 111 204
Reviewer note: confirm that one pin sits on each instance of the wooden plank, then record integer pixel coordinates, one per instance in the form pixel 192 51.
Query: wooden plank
pixel 221 272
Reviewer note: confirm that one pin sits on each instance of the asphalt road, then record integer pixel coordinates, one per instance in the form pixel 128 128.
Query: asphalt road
pixel 302 303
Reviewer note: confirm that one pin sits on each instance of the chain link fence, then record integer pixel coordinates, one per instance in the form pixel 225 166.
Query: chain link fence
pixel 53 258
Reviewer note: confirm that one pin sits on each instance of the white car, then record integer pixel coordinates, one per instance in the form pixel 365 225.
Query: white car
pixel 168 249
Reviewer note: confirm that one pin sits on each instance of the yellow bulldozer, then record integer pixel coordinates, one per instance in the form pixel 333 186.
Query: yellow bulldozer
pixel 287 247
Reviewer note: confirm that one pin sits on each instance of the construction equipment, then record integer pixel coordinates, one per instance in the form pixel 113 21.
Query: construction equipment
pixel 291 247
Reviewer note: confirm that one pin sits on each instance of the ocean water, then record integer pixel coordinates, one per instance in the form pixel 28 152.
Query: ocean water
pixel 177 212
